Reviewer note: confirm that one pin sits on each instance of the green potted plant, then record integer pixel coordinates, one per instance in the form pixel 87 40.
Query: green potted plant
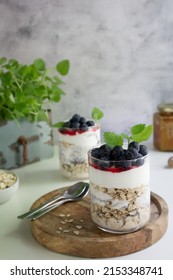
pixel 24 90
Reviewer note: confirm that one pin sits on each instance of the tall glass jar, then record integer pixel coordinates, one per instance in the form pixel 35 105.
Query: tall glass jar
pixel 120 194
pixel 163 127
pixel 73 148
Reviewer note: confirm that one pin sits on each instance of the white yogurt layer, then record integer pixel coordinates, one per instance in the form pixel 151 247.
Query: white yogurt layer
pixel 88 138
pixel 126 179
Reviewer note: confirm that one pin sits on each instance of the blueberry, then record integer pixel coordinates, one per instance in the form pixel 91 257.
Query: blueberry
pixel 104 162
pixel 75 125
pixel 134 144
pixel 116 153
pixel 125 164
pixel 131 153
pixel 90 123
pixel 76 118
pixel 140 160
pixel 95 153
pixel 84 126
pixel 82 120
pixel 104 150
pixel 67 124
pixel 143 150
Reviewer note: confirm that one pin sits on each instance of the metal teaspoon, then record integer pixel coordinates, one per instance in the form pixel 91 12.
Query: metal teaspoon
pixel 73 192
pixel 56 204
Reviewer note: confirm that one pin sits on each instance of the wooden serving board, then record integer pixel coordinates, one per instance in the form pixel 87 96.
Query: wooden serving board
pixel 68 229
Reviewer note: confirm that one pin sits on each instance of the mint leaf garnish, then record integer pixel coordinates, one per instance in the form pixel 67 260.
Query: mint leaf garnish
pixel 139 133
pixel 112 139
pixel 138 128
pixel 143 135
pixel 96 114
pixel 59 124
pixel 126 136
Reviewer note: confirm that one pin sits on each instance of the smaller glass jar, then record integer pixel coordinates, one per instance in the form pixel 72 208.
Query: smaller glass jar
pixel 73 148
pixel 163 127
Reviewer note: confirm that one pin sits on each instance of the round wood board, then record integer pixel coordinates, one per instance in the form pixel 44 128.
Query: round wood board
pixel 68 229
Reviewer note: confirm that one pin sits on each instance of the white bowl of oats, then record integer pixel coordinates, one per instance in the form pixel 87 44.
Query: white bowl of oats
pixel 9 183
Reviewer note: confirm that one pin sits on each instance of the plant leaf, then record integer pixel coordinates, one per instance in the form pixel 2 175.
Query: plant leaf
pixel 6 79
pixel 112 139
pixel 3 60
pixel 40 64
pixel 63 67
pixel 59 124
pixel 137 128
pixel 96 114
pixel 42 116
pixel 144 135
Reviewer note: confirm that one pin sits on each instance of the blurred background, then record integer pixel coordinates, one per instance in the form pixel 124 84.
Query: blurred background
pixel 121 53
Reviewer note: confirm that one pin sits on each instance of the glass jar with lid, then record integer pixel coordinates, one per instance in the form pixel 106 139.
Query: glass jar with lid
pixel 163 127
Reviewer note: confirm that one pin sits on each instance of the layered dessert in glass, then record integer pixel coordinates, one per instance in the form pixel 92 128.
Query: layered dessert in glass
pixel 119 187
pixel 76 137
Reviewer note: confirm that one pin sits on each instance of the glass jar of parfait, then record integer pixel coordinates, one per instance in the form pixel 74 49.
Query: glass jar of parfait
pixel 119 187
pixel 76 137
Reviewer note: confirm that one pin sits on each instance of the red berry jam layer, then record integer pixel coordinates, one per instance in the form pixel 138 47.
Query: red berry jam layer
pixel 73 131
pixel 112 169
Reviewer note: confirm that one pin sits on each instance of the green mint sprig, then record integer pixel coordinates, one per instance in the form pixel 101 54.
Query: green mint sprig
pixel 112 139
pixel 139 133
pixel 97 114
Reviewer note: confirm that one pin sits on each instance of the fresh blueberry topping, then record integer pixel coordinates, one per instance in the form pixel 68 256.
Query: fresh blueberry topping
pixel 143 150
pixel 75 125
pixel 117 157
pixel 134 144
pixel 90 123
pixel 82 120
pixel 78 122
pixel 76 118
pixel 131 153
pixel 116 153
pixel 84 126
pixel 67 124
pixel 104 151
pixel 104 162
pixel 125 164
pixel 95 153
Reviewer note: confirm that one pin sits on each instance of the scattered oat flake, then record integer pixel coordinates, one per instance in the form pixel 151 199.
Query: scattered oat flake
pixel 68 215
pixel 70 221
pixel 81 220
pixel 62 215
pixel 63 222
pixel 65 230
pixel 76 232
pixel 79 227
pixel 60 228
pixel 58 231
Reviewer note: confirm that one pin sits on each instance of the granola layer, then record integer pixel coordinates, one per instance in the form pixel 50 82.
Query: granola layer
pixel 120 210
pixel 73 160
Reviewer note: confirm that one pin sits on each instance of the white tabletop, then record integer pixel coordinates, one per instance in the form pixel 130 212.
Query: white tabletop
pixel 16 240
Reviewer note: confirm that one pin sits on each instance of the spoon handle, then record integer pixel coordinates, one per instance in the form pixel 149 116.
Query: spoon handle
pixel 40 213
pixel 37 209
